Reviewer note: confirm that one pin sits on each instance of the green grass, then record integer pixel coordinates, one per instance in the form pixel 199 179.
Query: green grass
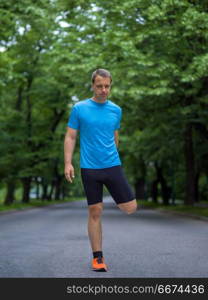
pixel 189 210
pixel 35 203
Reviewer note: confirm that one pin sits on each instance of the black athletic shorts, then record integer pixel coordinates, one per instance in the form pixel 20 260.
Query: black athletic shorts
pixel 114 180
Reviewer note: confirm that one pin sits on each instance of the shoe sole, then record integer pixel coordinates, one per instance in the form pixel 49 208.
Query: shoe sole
pixel 100 270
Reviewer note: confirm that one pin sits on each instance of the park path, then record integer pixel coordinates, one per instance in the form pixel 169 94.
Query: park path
pixel 53 242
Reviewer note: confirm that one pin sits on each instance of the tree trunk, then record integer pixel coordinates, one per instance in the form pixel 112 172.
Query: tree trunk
pixel 190 184
pixel 44 193
pixel 10 198
pixel 58 188
pixel 154 191
pixel 140 188
pixel 50 194
pixel 165 190
pixel 197 187
pixel 63 193
pixel 26 189
pixel 37 188
pixel 18 104
pixel 10 194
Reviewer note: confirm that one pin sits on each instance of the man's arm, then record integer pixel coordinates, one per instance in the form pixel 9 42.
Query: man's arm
pixel 69 144
pixel 116 137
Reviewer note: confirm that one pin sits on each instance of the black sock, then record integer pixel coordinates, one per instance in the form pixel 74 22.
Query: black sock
pixel 97 254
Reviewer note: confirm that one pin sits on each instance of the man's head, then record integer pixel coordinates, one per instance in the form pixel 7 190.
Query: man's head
pixel 101 84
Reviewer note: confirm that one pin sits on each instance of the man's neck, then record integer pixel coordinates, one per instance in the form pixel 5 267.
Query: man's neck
pixel 98 100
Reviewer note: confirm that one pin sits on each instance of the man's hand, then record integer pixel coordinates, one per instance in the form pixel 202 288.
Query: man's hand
pixel 69 172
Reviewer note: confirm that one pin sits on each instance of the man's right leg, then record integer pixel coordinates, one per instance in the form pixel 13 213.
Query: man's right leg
pixel 95 226
pixel 93 187
pixel 95 236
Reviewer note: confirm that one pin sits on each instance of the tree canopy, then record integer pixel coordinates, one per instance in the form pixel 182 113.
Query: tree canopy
pixel 157 53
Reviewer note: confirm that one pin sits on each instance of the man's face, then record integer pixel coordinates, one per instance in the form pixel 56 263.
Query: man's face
pixel 101 87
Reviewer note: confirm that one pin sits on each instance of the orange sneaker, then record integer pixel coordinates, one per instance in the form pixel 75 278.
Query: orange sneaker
pixel 99 265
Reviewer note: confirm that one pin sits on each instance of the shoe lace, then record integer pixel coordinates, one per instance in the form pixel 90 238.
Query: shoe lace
pixel 99 260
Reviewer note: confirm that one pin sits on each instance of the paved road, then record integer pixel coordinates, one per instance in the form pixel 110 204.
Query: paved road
pixel 53 242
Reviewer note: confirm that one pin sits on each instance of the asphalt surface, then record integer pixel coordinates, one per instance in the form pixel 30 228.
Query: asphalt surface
pixel 53 242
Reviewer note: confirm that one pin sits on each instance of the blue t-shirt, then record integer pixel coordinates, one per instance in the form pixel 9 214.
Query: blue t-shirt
pixel 96 123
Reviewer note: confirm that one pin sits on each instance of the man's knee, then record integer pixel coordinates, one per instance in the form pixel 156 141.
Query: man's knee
pixel 95 211
pixel 129 207
pixel 132 208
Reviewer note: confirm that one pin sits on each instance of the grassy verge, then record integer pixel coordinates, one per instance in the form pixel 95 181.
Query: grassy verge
pixel 189 210
pixel 35 203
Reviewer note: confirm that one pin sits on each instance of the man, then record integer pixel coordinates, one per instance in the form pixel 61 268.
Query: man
pixel 98 120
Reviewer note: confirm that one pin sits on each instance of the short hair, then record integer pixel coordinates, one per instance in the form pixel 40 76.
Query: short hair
pixel 102 73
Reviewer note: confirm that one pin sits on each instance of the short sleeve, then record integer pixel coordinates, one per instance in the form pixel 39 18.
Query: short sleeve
pixel 118 122
pixel 74 118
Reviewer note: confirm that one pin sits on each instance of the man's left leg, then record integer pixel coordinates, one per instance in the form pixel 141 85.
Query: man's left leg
pixel 120 189
pixel 128 207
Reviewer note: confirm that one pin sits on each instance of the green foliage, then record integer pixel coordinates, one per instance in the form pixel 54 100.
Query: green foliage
pixel 157 53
